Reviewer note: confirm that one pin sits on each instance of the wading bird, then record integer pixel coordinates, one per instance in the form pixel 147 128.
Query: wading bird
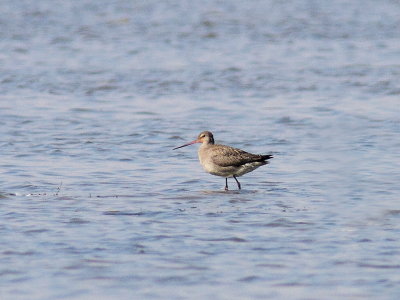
pixel 225 161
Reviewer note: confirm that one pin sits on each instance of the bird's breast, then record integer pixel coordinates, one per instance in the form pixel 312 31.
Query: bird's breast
pixel 205 158
pixel 206 161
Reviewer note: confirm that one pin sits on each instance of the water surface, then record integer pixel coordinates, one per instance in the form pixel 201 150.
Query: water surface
pixel 95 204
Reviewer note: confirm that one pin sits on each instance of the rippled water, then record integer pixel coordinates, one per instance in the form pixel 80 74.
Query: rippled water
pixel 95 204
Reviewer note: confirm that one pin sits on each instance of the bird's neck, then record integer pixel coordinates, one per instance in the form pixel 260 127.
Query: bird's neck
pixel 206 145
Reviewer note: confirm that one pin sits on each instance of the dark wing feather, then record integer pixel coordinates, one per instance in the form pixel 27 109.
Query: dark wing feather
pixel 227 156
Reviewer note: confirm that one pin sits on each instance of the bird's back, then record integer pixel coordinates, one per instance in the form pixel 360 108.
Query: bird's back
pixel 228 156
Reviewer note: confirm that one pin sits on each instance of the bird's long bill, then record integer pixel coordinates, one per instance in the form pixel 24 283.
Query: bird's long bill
pixel 193 142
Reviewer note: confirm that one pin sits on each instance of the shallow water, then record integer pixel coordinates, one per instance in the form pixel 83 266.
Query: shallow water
pixel 95 204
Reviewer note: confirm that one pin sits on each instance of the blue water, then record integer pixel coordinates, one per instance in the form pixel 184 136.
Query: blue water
pixel 94 204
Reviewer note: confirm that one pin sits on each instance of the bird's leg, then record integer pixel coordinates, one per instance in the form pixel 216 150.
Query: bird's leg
pixel 238 183
pixel 226 184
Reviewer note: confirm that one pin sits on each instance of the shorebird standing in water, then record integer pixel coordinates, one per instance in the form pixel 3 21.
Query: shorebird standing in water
pixel 225 161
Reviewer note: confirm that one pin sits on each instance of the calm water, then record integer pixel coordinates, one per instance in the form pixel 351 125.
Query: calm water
pixel 94 204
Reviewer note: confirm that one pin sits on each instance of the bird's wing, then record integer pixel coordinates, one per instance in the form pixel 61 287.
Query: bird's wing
pixel 227 156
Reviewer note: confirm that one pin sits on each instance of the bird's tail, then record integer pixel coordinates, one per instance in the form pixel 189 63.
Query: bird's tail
pixel 266 157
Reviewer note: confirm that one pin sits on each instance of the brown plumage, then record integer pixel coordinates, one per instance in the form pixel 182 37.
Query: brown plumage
pixel 225 161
